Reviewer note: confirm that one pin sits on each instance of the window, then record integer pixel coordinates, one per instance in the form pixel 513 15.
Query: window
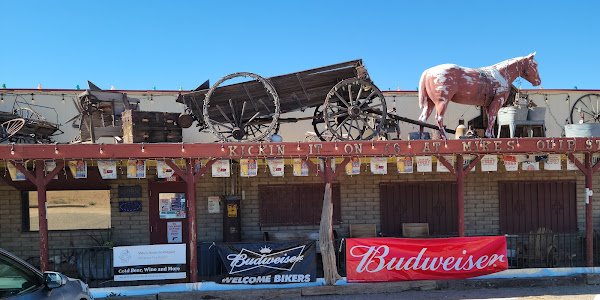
pixel 16 279
pixel 69 210
pixel 434 203
pixel 299 204
pixel 527 206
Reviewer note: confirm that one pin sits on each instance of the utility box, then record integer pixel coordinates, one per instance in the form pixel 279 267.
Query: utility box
pixel 151 127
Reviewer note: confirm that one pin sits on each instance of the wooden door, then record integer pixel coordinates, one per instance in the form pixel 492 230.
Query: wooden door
pixel 168 212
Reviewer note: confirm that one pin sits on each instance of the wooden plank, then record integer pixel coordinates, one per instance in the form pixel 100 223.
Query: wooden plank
pixel 363 230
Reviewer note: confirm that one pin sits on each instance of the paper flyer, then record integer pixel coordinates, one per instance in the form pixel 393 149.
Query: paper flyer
pixel 404 164
pixel 197 165
pixel 50 166
pixel 136 168
pixel 107 169
pixel 530 166
pixel 379 165
pixel 424 163
pixel 467 160
pixel 510 163
pixel 78 169
pixel 248 167
pixel 353 166
pixel 15 174
pixel 163 170
pixel 276 166
pixel 571 166
pixel 441 167
pixel 489 163
pixel 300 167
pixel 221 168
pixel 553 162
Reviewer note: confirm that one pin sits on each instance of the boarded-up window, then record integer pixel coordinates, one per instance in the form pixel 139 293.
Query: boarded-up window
pixel 527 206
pixel 295 204
pixel 426 202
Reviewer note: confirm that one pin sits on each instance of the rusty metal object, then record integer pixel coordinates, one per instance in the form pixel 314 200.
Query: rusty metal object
pixel 185 120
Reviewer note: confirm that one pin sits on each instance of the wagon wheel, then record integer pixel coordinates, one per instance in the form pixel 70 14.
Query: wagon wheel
pixel 319 125
pixel 27 113
pixel 245 120
pixel 355 109
pixel 10 128
pixel 590 108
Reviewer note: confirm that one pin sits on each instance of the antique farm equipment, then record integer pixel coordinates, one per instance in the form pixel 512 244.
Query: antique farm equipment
pixel 346 103
pixel 25 125
pixel 585 117
pixel 150 127
pixel 100 113
pixel 487 87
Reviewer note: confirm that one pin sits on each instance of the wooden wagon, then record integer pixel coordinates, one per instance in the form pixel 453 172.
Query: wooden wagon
pixel 348 106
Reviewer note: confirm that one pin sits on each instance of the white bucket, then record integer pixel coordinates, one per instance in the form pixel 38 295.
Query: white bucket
pixel 582 130
pixel 511 114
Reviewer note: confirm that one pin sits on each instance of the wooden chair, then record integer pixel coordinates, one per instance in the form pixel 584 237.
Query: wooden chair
pixel 363 230
pixel 415 229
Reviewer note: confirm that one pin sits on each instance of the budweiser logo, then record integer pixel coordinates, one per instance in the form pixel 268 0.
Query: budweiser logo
pixel 282 260
pixel 375 259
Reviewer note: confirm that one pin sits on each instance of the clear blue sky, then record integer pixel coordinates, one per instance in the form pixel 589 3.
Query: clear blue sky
pixel 168 44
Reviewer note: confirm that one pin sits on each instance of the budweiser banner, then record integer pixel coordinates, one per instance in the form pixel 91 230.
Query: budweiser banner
pixel 391 259
pixel 270 262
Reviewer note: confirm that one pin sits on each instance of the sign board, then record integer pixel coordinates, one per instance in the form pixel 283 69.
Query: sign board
pixel 149 262
pixel 174 232
pixel 213 205
pixel 134 191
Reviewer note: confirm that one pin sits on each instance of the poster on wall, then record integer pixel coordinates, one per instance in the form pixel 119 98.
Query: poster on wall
pixel 489 163
pixel 300 167
pixel 276 166
pixel 163 170
pixel 379 165
pixel 136 168
pixel 530 165
pixel 400 259
pixel 171 205
pixel 467 160
pixel 353 167
pixel 553 162
pixel 220 168
pixel 510 163
pixel 213 205
pixel 197 165
pixel 424 163
pixel 15 174
pixel 107 169
pixel 174 232
pixel 248 167
pixel 268 262
pixel 571 166
pixel 133 263
pixel 404 164
pixel 441 167
pixel 78 169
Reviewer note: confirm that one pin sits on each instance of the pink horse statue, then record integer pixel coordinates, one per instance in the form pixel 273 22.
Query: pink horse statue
pixel 487 86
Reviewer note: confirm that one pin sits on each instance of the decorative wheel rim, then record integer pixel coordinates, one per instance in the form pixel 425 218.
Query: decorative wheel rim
pixel 27 113
pixel 237 125
pixel 319 126
pixel 10 128
pixel 590 109
pixel 355 109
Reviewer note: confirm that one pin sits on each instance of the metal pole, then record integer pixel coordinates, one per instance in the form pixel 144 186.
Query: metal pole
pixel 460 181
pixel 42 213
pixel 589 219
pixel 191 204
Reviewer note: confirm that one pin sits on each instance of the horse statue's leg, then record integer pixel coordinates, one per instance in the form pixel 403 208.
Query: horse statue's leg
pixel 427 110
pixel 492 114
pixel 440 110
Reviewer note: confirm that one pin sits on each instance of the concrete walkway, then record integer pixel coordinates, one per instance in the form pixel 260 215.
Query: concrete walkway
pixel 211 290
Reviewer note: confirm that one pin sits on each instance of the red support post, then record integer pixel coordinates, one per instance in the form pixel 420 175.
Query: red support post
pixel 460 187
pixel 191 204
pixel 40 182
pixel 589 219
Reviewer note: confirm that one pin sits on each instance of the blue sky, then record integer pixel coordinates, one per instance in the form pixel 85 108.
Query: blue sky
pixel 167 44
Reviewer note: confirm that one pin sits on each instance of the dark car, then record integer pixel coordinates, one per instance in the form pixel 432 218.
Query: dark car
pixel 20 281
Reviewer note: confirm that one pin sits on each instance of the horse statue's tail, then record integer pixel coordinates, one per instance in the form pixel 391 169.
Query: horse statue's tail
pixel 422 91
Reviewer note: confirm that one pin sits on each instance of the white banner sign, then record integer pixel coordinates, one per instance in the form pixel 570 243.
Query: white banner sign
pixel 149 262
pixel 379 165
pixel 213 205
pixel 220 168
pixel 163 170
pixel 510 163
pixel 489 163
pixel 424 163
pixel 553 162
pixel 107 169
pixel 276 166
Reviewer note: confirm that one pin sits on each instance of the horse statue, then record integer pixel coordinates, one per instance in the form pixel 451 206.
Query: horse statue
pixel 487 86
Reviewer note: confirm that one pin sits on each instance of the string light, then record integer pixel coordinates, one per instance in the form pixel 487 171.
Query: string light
pixel 409 146
pixel 151 99
pixel 222 147
pixel 55 148
pixel 63 99
pixel 298 148
pixel 143 150
pixel 372 145
pixel 12 149
pixel 445 144
pixel 336 146
pixel 2 98
pixel 32 100
pixel 182 148
pixel 518 142
pixel 101 151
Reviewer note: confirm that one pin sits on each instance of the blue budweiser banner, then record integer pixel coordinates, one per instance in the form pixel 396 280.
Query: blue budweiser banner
pixel 269 262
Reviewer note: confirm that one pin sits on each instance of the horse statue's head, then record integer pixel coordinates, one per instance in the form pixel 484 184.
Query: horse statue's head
pixel 529 70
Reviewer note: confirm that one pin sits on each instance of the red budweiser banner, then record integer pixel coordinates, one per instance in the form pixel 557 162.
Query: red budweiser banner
pixel 391 259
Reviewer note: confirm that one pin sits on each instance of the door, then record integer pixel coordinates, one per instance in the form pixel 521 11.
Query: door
pixel 168 213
